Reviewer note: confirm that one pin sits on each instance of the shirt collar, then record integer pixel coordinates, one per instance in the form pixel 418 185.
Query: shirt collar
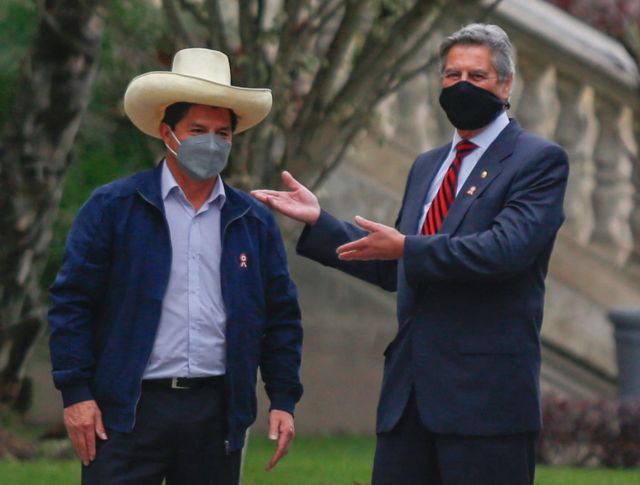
pixel 488 135
pixel 169 184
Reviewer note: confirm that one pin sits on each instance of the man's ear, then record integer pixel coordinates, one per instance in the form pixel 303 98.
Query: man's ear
pixel 165 133
pixel 505 88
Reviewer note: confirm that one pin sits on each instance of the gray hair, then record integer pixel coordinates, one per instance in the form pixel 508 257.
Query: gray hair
pixel 489 35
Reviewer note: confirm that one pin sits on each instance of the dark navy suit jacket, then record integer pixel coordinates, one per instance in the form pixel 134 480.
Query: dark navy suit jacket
pixel 470 298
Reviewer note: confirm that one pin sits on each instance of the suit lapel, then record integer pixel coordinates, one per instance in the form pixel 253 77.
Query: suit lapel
pixel 485 171
pixel 424 172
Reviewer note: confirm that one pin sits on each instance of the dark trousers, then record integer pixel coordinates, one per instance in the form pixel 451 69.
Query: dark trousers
pixel 412 455
pixel 179 435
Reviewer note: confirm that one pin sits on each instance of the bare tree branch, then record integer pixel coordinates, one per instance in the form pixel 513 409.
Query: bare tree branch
pixel 410 50
pixel 288 34
pixel 173 17
pixel 59 31
pixel 194 11
pixel 283 70
pixel 217 32
pixel 396 82
pixel 327 11
pixel 323 82
pixel 490 9
pixel 252 59
pixel 376 58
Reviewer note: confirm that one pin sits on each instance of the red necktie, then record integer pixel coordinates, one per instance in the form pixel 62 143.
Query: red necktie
pixel 447 191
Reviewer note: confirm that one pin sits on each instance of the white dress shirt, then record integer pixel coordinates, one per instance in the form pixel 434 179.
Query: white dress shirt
pixel 191 335
pixel 482 140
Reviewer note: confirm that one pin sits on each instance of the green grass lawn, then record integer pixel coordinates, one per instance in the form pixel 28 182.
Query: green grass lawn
pixel 311 461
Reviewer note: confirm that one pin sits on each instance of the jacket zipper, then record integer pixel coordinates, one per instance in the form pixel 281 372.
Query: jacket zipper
pixel 227 446
pixel 166 227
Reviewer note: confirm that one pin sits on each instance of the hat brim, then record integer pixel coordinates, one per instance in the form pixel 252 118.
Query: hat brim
pixel 148 96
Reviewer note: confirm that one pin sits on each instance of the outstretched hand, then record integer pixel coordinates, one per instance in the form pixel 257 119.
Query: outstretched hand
pixel 299 203
pixel 382 243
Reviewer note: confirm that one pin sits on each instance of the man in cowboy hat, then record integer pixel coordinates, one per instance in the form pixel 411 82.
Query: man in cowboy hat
pixel 173 291
pixel 460 400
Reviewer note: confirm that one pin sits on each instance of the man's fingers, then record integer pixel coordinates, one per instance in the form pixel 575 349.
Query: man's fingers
pixel 80 444
pixel 266 193
pixel 351 256
pixel 291 182
pixel 100 431
pixel 280 452
pixel 90 440
pixel 273 430
pixel 353 246
pixel 260 195
pixel 367 224
pixel 274 434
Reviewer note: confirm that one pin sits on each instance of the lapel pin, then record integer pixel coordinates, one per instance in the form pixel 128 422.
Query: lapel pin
pixel 484 174
pixel 472 190
pixel 243 260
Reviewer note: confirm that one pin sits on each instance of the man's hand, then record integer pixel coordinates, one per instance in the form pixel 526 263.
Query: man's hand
pixel 383 242
pixel 83 421
pixel 299 203
pixel 281 429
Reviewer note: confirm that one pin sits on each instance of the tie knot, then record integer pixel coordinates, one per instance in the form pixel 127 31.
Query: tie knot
pixel 464 147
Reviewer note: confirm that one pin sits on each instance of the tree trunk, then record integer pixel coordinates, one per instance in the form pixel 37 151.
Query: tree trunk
pixel 35 152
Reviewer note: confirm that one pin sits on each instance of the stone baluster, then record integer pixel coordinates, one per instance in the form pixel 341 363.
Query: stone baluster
pixel 612 197
pixel 635 180
pixel 538 105
pixel 576 132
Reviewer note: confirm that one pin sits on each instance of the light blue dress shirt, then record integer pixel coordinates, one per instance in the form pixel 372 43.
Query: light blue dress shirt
pixel 191 335
pixel 482 140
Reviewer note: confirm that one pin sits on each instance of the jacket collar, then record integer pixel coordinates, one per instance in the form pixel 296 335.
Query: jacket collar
pixel 235 206
pixel 150 189
pixel 422 177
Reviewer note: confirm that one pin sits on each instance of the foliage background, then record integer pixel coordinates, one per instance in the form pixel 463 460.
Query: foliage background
pixel 107 146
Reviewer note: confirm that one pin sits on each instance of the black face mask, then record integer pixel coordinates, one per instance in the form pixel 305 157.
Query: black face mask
pixel 469 107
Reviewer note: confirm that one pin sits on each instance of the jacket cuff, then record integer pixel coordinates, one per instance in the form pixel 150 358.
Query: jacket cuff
pixel 283 403
pixel 75 394
pixel 317 238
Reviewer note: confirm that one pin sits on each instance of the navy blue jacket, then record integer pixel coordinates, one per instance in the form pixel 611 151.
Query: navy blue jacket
pixel 470 298
pixel 107 300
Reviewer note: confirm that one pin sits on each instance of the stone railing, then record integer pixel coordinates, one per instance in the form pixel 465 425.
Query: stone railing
pixel 582 89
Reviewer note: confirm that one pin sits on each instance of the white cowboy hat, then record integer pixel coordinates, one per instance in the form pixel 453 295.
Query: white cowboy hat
pixel 200 76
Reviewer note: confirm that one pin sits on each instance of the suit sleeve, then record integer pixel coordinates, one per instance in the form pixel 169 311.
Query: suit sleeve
pixel 525 226
pixel 75 297
pixel 319 242
pixel 282 341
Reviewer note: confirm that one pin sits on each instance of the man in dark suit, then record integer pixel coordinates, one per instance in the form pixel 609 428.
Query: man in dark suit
pixel 468 257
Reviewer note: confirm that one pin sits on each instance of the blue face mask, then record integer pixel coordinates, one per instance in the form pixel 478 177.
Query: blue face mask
pixel 202 156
